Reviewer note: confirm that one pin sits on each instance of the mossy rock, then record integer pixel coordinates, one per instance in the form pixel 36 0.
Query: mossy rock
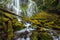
pixel 8 15
pixel 5 19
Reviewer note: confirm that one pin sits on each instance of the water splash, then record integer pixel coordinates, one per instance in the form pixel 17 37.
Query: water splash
pixel 59 36
pixel 28 38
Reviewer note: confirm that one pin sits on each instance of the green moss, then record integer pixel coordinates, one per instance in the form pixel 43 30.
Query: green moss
pixel 58 7
pixel 34 36
pixel 5 19
pixel 1 27
pixel 44 36
pixel 8 15
pixel 47 20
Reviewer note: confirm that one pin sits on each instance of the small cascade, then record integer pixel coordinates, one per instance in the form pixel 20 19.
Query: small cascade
pixel 52 33
pixel 59 36
pixel 24 33
pixel 54 37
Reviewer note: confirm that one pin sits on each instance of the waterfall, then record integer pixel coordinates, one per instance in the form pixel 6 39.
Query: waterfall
pixel 32 8
pixel 16 7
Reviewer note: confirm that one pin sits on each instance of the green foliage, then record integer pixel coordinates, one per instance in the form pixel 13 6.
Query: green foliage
pixel 58 6
pixel 44 36
pixel 44 19
pixel 46 5
pixel 34 36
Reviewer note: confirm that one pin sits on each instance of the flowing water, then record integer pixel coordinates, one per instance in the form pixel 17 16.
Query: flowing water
pixel 24 33
pixel 53 36
pixel 52 33
pixel 30 10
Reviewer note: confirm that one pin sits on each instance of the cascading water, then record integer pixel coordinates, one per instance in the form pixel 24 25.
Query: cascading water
pixel 24 33
pixel 32 8
pixel 16 7
pixel 52 32
pixel 54 37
